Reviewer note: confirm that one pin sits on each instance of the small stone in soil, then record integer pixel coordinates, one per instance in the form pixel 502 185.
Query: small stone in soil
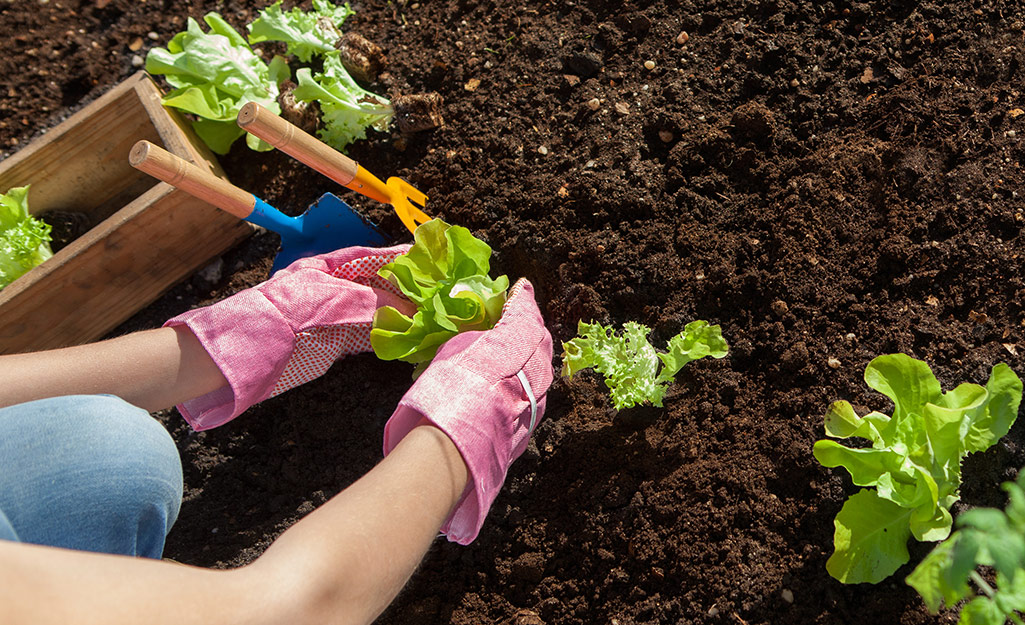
pixel 649 65
pixel 833 363
pixel 682 38
pixel 593 104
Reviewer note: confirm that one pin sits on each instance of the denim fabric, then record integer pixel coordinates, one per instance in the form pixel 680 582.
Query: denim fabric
pixel 88 472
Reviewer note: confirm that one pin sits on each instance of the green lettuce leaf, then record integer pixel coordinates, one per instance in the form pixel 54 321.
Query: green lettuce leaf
pixel 24 240
pixel 914 463
pixel 306 32
pixel 631 364
pixel 214 74
pixel 871 539
pixel 347 109
pixel 445 273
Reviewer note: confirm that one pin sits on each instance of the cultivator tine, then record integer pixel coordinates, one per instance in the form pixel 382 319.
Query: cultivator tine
pixel 405 197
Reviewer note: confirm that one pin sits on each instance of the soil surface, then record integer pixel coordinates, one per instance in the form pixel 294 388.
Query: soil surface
pixel 829 181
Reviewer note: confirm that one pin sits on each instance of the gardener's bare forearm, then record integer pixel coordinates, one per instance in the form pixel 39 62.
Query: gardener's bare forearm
pixel 348 559
pixel 153 369
pixel 342 564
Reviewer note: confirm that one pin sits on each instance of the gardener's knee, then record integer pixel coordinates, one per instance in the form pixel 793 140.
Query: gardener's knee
pixel 89 472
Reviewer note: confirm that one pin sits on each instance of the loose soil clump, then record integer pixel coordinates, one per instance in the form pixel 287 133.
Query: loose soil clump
pixel 828 181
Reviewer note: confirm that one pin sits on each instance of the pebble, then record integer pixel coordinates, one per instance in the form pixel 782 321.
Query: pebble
pixel 137 61
pixel 794 83
pixel 213 272
pixel 543 150
pixel 665 136
pixel 1011 133
pixel 682 38
pixel 649 65
pixel 787 595
pixel 153 35
pixel 833 363
pixel 593 104
pixel 622 108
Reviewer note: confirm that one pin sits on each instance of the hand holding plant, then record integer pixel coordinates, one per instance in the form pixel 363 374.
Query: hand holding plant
pixel 445 274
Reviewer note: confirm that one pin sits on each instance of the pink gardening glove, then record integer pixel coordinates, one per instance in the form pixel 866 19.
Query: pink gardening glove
pixel 290 329
pixel 486 391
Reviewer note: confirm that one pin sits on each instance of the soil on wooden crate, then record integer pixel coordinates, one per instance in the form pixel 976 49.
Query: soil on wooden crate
pixel 829 181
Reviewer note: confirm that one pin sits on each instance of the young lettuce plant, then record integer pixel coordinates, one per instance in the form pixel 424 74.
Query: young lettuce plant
pixel 24 240
pixel 912 471
pixel 631 364
pixel 347 109
pixel 306 32
pixel 985 537
pixel 214 74
pixel 445 273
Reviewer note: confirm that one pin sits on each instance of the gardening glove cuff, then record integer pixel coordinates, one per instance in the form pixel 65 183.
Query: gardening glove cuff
pixel 487 392
pixel 290 329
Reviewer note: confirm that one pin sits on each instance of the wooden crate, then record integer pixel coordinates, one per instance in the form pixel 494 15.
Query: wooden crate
pixel 149 236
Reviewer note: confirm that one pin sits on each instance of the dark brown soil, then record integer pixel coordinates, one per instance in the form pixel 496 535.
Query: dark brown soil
pixel 827 180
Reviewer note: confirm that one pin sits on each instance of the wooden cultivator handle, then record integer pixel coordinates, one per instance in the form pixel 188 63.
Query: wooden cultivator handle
pixel 182 174
pixel 297 143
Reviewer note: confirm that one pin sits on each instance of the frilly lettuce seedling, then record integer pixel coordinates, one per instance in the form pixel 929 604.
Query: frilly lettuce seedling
pixel 631 364
pixel 985 537
pixel 214 74
pixel 306 32
pixel 24 240
pixel 913 468
pixel 347 109
pixel 445 273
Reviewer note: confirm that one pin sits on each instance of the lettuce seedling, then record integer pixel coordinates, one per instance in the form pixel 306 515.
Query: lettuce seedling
pixel 913 468
pixel 347 109
pixel 985 537
pixel 306 32
pixel 445 273
pixel 214 74
pixel 631 364
pixel 24 240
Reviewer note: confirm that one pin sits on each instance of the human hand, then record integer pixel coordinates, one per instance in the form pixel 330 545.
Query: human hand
pixel 487 392
pixel 290 329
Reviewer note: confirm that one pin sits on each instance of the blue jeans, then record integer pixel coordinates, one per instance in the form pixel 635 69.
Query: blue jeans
pixel 87 472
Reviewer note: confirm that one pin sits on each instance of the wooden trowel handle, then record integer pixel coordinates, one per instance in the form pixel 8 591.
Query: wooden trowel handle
pixel 297 143
pixel 182 174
